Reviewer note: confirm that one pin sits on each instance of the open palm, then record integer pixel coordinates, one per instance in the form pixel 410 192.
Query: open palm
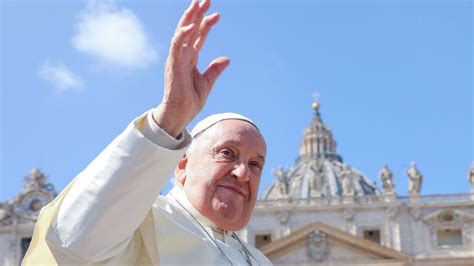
pixel 186 88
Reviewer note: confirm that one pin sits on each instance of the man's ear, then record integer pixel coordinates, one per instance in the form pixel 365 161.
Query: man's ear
pixel 180 170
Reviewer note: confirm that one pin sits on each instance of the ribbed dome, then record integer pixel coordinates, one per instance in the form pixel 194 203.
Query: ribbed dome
pixel 319 171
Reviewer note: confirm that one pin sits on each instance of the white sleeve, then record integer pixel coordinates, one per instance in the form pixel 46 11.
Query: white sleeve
pixel 112 196
pixel 158 136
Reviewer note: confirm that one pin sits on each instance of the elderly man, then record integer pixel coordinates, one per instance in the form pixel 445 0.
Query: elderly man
pixel 112 214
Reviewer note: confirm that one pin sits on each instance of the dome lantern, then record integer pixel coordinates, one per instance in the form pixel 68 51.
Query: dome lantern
pixel 318 141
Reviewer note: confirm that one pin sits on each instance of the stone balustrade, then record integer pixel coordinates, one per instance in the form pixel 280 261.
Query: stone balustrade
pixel 364 200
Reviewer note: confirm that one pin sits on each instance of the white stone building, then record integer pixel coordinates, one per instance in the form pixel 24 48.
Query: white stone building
pixel 323 212
pixel 318 212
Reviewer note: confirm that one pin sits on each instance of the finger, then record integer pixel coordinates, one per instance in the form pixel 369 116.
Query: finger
pixel 214 70
pixel 205 27
pixel 203 7
pixel 189 14
pixel 181 39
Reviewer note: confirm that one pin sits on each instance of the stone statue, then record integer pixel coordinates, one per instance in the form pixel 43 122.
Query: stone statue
pixel 347 181
pixel 315 181
pixel 415 180
pixel 470 177
pixel 386 176
pixel 283 180
pixel 35 179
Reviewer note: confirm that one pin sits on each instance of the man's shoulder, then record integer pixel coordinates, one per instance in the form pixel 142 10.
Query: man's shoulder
pixel 163 204
pixel 163 207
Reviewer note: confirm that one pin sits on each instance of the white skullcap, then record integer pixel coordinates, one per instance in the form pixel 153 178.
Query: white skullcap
pixel 213 119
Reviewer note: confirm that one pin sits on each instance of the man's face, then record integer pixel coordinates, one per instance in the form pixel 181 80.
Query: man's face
pixel 221 172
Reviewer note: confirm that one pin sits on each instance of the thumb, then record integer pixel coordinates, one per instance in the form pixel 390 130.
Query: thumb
pixel 215 68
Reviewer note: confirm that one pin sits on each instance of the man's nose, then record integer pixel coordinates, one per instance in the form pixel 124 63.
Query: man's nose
pixel 241 172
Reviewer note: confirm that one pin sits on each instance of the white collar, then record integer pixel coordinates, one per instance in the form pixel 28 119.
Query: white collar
pixel 178 194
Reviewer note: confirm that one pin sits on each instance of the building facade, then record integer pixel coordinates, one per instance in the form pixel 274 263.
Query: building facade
pixel 320 211
pixel 18 217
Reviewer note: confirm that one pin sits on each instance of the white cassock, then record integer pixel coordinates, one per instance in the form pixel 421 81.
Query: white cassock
pixel 111 214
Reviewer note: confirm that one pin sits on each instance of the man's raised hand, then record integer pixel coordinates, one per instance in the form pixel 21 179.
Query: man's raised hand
pixel 186 89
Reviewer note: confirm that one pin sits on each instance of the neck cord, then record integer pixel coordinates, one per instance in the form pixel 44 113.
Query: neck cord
pixel 234 235
pixel 247 252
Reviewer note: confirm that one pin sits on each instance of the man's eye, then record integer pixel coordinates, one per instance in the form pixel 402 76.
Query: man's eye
pixel 227 153
pixel 256 165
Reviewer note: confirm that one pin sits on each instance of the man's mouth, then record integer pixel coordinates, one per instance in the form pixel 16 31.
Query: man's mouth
pixel 234 189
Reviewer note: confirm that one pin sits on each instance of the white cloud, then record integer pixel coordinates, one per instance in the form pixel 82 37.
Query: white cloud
pixel 61 77
pixel 114 35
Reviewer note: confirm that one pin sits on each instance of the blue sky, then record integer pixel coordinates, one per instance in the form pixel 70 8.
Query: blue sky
pixel 395 79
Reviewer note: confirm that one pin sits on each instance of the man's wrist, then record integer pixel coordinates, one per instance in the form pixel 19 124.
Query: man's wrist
pixel 172 126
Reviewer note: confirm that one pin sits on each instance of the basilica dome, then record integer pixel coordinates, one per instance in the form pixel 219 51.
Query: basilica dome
pixel 319 171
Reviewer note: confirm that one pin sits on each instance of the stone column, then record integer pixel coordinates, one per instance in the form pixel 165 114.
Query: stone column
pixel 416 213
pixel 392 236
pixel 14 244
